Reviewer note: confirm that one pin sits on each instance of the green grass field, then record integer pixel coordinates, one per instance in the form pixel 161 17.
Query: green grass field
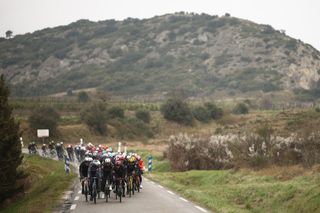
pixel 246 191
pixel 48 182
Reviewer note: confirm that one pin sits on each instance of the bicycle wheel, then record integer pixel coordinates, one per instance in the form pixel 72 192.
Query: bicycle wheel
pixel 106 191
pixel 86 190
pixel 130 186
pixel 94 192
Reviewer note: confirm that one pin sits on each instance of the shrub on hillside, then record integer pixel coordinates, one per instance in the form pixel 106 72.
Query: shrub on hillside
pixel 44 118
pixel 215 112
pixel 95 117
pixel 143 115
pixel 240 108
pixel 178 111
pixel 201 114
pixel 115 112
pixel 83 97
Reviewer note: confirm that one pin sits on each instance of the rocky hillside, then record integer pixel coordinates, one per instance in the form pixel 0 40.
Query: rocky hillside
pixel 202 55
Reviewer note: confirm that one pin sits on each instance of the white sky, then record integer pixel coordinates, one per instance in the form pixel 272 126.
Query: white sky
pixel 299 18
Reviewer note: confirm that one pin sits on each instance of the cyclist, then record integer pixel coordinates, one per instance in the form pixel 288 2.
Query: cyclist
pixel 141 168
pixel 107 168
pixel 119 172
pixel 94 170
pixel 59 150
pixel 83 171
pixel 44 149
pixel 132 166
pixel 70 152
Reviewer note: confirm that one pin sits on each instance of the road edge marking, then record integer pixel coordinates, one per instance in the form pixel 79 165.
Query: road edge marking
pixel 73 207
pixel 76 198
pixel 181 198
pixel 201 209
pixel 170 192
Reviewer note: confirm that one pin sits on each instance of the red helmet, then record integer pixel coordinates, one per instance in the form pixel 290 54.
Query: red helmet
pixel 117 163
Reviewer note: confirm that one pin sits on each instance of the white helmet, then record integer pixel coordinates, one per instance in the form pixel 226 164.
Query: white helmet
pixel 107 160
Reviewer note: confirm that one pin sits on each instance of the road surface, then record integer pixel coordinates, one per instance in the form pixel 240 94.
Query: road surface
pixel 153 198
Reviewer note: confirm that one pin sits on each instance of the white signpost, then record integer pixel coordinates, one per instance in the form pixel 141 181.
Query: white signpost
pixel 42 133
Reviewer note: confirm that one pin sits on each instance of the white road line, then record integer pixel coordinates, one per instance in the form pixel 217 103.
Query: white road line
pixel 102 196
pixel 79 192
pixel 183 199
pixel 73 206
pixel 160 186
pixel 201 209
pixel 170 192
pixel 76 198
pixel 152 182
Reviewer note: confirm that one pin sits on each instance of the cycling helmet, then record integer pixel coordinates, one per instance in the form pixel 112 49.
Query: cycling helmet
pixel 107 160
pixel 87 159
pixel 96 162
pixel 117 164
pixel 132 159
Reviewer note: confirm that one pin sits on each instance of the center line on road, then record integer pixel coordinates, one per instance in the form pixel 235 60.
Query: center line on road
pixel 170 192
pixel 201 209
pixel 76 198
pixel 73 206
pixel 79 192
pixel 102 196
pixel 183 199
pixel 160 186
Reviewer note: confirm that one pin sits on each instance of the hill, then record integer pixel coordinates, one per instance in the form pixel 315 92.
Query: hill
pixel 201 55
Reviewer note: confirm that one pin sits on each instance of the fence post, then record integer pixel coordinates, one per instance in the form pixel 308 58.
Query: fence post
pixel 149 163
pixel 67 164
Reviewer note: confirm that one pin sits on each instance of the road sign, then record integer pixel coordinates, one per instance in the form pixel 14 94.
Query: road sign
pixel 42 133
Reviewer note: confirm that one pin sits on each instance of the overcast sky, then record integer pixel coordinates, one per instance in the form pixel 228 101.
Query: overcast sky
pixel 299 18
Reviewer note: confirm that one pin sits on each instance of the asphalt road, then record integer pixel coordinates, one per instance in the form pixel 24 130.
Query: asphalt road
pixel 153 198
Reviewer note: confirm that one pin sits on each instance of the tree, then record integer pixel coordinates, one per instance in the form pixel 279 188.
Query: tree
pixel 10 147
pixel 103 95
pixel 95 117
pixel 115 112
pixel 241 108
pixel 44 118
pixel 215 112
pixel 9 34
pixel 83 97
pixel 143 115
pixel 201 114
pixel 178 111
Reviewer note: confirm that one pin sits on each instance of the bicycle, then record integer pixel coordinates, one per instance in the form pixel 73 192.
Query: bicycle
pixel 53 153
pixel 107 190
pixel 136 181
pixel 119 189
pixel 94 190
pixel 130 185
pixel 86 188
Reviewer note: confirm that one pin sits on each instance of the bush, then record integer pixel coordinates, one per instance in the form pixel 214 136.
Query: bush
pixel 143 115
pixel 115 112
pixel 83 97
pixel 178 111
pixel 201 114
pixel 44 118
pixel 215 112
pixel 241 108
pixel 95 117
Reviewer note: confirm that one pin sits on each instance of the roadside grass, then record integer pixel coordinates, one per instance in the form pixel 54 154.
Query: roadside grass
pixel 47 180
pixel 246 190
